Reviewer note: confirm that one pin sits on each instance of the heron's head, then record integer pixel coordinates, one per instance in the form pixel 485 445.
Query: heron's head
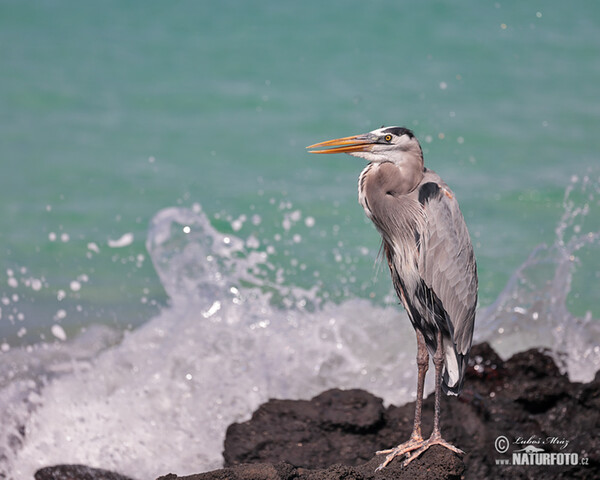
pixel 386 144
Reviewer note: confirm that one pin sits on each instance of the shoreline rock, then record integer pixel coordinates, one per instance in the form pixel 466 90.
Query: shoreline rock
pixel 77 472
pixel 525 400
pixel 437 463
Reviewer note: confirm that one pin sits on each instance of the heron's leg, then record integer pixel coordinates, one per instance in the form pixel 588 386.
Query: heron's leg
pixel 416 439
pixel 422 366
pixel 436 435
pixel 438 362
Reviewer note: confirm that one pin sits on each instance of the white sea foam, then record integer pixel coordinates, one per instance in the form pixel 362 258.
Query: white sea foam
pixel 159 399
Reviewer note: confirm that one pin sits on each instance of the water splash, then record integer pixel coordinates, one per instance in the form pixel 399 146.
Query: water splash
pixel 532 309
pixel 236 333
pixel 223 346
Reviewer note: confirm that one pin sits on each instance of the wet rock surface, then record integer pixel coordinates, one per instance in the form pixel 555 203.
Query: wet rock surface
pixel 524 399
pixel 77 472
pixel 437 463
pixel 522 409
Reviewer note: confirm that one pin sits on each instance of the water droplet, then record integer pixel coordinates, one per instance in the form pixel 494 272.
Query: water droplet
pixel 214 308
pixel 125 240
pixel 58 331
pixel 252 242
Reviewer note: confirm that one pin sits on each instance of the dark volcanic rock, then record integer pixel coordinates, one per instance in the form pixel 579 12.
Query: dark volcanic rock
pixel 306 433
pixel 438 463
pixel 76 472
pixel 525 399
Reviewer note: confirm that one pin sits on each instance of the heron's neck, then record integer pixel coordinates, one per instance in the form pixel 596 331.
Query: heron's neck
pixel 410 168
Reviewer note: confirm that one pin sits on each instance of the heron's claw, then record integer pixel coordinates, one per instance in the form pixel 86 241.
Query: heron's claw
pixel 413 449
pixel 403 449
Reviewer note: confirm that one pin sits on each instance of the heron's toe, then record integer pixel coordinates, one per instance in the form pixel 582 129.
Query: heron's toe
pixel 434 440
pixel 405 448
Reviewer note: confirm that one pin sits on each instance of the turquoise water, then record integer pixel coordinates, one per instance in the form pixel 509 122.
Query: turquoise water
pixel 113 111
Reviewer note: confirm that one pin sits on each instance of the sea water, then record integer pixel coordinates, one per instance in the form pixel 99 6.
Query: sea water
pixel 172 257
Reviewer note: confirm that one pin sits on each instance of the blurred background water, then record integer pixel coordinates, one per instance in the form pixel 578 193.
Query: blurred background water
pixel 112 112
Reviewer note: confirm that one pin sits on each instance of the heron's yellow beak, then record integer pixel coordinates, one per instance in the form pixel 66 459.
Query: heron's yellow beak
pixel 355 143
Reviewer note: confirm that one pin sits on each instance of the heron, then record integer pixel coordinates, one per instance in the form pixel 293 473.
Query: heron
pixel 431 261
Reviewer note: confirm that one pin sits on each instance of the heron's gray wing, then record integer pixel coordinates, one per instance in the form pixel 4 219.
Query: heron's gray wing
pixel 446 259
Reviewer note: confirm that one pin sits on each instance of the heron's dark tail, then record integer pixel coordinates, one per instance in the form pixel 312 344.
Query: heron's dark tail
pixel 455 367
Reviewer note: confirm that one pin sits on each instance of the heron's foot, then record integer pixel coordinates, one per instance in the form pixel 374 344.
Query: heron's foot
pixel 414 448
pixel 435 439
pixel 415 443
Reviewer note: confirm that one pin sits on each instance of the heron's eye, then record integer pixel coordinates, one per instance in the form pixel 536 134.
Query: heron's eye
pixel 388 138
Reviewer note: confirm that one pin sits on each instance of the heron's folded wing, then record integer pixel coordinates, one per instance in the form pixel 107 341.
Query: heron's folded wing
pixel 447 263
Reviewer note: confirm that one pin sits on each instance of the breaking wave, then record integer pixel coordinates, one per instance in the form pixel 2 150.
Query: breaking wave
pixel 236 333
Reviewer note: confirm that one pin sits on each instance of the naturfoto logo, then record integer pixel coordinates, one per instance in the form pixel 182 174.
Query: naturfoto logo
pixel 531 451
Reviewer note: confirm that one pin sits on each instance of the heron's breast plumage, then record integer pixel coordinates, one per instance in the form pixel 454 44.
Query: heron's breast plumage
pixel 391 203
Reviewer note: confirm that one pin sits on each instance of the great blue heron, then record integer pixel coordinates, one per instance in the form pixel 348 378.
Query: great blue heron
pixel 431 260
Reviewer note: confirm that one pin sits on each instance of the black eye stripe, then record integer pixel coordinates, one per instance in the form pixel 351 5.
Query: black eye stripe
pixel 399 131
